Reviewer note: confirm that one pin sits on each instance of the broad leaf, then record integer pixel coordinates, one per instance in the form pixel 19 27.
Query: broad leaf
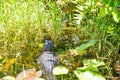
pixel 39 79
pixel 93 62
pixel 83 47
pixel 60 70
pixel 91 68
pixel 8 78
pixel 91 75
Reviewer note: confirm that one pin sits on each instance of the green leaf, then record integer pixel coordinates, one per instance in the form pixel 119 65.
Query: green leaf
pixel 91 75
pixel 8 78
pixel 1 57
pixel 60 70
pixel 39 79
pixel 83 47
pixel 103 11
pixel 115 17
pixel 106 1
pixel 91 68
pixel 93 62
pixel 110 30
pixel 95 1
pixel 113 4
pixel 40 45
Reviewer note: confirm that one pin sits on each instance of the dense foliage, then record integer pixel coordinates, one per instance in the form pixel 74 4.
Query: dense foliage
pixel 70 23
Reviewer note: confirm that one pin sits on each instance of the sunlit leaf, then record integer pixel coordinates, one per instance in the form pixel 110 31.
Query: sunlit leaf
pixel 110 29
pixel 88 75
pixel 103 12
pixel 91 68
pixel 81 8
pixel 78 17
pixel 39 79
pixel 115 17
pixel 1 57
pixel 8 78
pixel 91 62
pixel 83 47
pixel 8 63
pixel 40 45
pixel 60 70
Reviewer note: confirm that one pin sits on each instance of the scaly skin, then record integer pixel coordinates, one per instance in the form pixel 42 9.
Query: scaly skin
pixel 48 60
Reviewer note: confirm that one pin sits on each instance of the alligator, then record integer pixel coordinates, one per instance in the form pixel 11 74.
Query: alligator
pixel 48 59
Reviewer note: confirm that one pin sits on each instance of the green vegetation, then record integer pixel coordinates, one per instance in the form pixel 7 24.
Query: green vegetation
pixel 80 30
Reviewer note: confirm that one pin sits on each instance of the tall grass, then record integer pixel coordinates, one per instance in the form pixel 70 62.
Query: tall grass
pixel 23 25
